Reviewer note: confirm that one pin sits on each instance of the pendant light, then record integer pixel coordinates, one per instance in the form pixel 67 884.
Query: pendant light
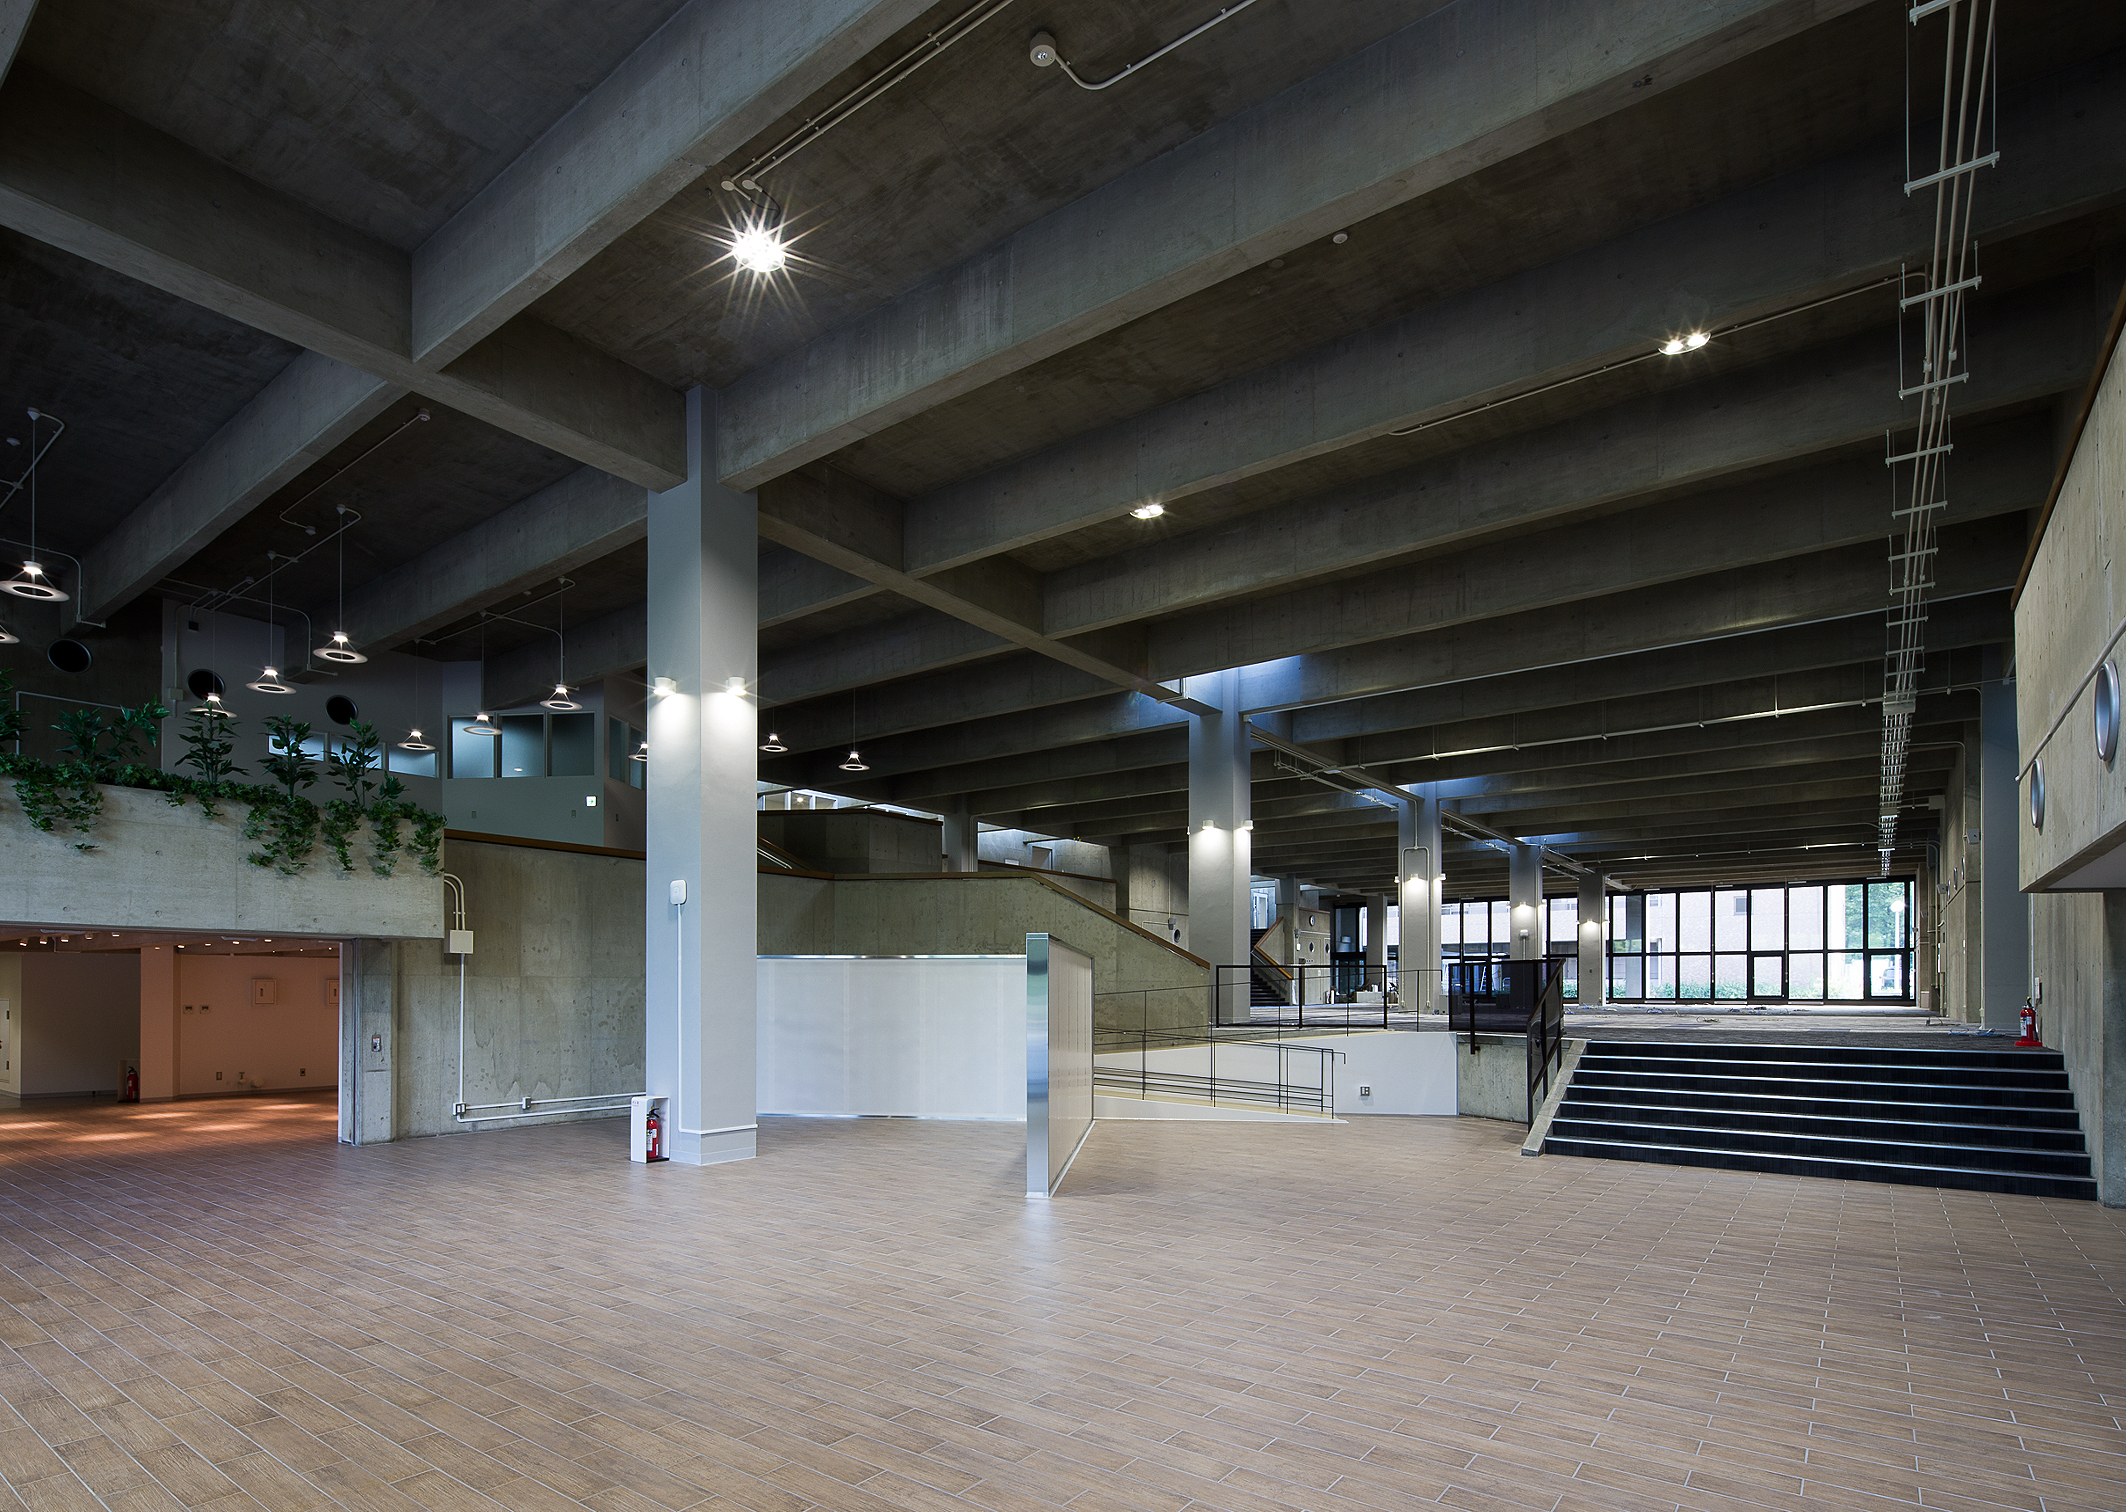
pixel 640 753
pixel 30 582
pixel 773 744
pixel 413 741
pixel 482 724
pixel 269 678
pixel 341 649
pixel 855 763
pixel 558 700
pixel 8 637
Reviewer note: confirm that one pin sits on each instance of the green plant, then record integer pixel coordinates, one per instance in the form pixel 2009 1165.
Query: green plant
pixel 356 762
pixel 287 762
pixel 210 742
pixel 10 717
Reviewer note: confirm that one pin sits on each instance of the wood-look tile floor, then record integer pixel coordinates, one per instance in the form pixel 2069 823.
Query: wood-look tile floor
pixel 213 1305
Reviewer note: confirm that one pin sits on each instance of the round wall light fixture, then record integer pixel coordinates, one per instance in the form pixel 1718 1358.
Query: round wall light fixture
pixel 2037 794
pixel 2105 701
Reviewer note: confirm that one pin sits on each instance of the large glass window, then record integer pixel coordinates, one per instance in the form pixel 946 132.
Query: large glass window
pixel 1808 943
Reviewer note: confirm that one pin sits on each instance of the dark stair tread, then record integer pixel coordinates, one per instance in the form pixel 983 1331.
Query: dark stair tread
pixel 1893 1150
pixel 1600 1112
pixel 1962 1177
pixel 1682 1098
pixel 1726 1079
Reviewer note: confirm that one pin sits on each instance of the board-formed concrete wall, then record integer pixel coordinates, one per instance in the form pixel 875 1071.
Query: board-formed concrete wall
pixel 156 866
pixel 1142 981
pixel 553 997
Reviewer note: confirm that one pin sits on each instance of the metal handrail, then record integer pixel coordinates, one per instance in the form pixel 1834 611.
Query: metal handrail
pixel 1285 1091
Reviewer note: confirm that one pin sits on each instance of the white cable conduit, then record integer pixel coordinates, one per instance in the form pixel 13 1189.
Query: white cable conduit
pixel 1150 58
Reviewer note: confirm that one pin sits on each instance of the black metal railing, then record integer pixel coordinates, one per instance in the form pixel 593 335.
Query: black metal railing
pixel 1512 997
pixel 1326 996
pixel 1260 1070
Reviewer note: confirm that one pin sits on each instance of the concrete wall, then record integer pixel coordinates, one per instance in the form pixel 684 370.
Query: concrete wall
pixel 227 1043
pixel 1140 981
pixel 75 1019
pixel 10 1024
pixel 159 867
pixel 1151 889
pixel 2078 941
pixel 856 840
pixel 553 996
pixel 1492 1082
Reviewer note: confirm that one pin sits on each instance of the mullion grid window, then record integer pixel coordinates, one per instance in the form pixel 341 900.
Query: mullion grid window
pixel 1807 943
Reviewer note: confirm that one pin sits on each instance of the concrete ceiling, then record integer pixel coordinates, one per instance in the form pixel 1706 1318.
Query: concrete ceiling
pixel 1581 566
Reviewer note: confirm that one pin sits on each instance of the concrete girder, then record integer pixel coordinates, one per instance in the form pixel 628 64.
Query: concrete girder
pixel 84 177
pixel 587 515
pixel 716 75
pixel 1384 126
pixel 857 531
pixel 1715 678
pixel 312 406
pixel 1769 820
pixel 1819 231
pixel 711 78
pixel 1999 469
pixel 1825 791
pixel 608 646
pixel 14 21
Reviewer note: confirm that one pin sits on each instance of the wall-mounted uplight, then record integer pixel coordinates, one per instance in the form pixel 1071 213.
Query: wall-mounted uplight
pixel 735 685
pixel 1248 826
pixel 773 744
pixel 1147 511
pixel 664 687
pixel 1676 346
pixel 855 763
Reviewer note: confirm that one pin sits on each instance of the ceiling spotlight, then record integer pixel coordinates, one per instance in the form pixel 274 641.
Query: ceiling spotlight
pixel 340 649
pixel 1673 347
pixel 773 744
pixel 558 700
pixel 735 685
pixel 759 248
pixel 665 687
pixel 1696 339
pixel 414 742
pixel 482 724
pixel 1148 511
pixel 269 681
pixel 640 753
pixel 855 763
pixel 31 583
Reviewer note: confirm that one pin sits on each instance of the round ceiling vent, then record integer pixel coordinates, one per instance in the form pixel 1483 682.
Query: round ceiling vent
pixel 341 709
pixel 69 656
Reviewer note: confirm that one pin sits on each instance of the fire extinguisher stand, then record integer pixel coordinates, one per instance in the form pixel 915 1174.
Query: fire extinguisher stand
pixel 639 1129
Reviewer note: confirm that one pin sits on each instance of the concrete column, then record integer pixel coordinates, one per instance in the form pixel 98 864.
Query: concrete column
pixel 1220 844
pixel 1594 933
pixel 1421 871
pixel 1524 889
pixel 1377 941
pixel 368 1041
pixel 158 1023
pixel 699 979
pixel 961 831
pixel 2004 910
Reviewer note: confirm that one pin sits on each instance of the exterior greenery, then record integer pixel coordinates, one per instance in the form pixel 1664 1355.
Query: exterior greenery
pixel 284 824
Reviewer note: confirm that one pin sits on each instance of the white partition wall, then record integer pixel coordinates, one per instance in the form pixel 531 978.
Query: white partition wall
pixel 912 1037
pixel 1059 1059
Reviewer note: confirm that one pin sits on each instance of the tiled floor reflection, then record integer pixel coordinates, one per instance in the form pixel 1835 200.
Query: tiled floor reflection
pixel 213 1305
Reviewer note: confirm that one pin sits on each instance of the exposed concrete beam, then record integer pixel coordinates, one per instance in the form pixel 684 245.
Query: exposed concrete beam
pixel 857 530
pixel 1828 794
pixel 311 407
pixel 610 646
pixel 1388 124
pixel 587 515
pixel 713 77
pixel 1772 819
pixel 84 177
pixel 14 21
pixel 1797 238
pixel 1115 733
pixel 793 585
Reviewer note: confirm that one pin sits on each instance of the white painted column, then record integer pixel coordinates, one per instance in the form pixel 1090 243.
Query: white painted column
pixel 1376 940
pixel 2004 909
pixel 1524 888
pixel 1421 870
pixel 1594 934
pixel 1221 850
pixel 700 975
pixel 961 831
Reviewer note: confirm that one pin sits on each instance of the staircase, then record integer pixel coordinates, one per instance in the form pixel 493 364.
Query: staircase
pixel 1985 1120
pixel 1267 987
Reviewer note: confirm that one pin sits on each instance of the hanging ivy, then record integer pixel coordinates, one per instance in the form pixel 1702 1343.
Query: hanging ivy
pixel 285 825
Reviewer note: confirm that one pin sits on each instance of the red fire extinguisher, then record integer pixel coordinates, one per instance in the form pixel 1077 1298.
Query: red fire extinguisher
pixel 2029 1041
pixel 132 1084
pixel 653 1130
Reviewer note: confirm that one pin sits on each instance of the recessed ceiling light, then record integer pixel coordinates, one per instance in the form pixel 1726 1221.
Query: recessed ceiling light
pixel 1148 511
pixel 759 249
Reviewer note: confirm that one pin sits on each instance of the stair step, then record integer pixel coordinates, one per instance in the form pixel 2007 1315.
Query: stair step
pixel 1916 1149
pixel 1846 1123
pixel 1988 1120
pixel 1847 1170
